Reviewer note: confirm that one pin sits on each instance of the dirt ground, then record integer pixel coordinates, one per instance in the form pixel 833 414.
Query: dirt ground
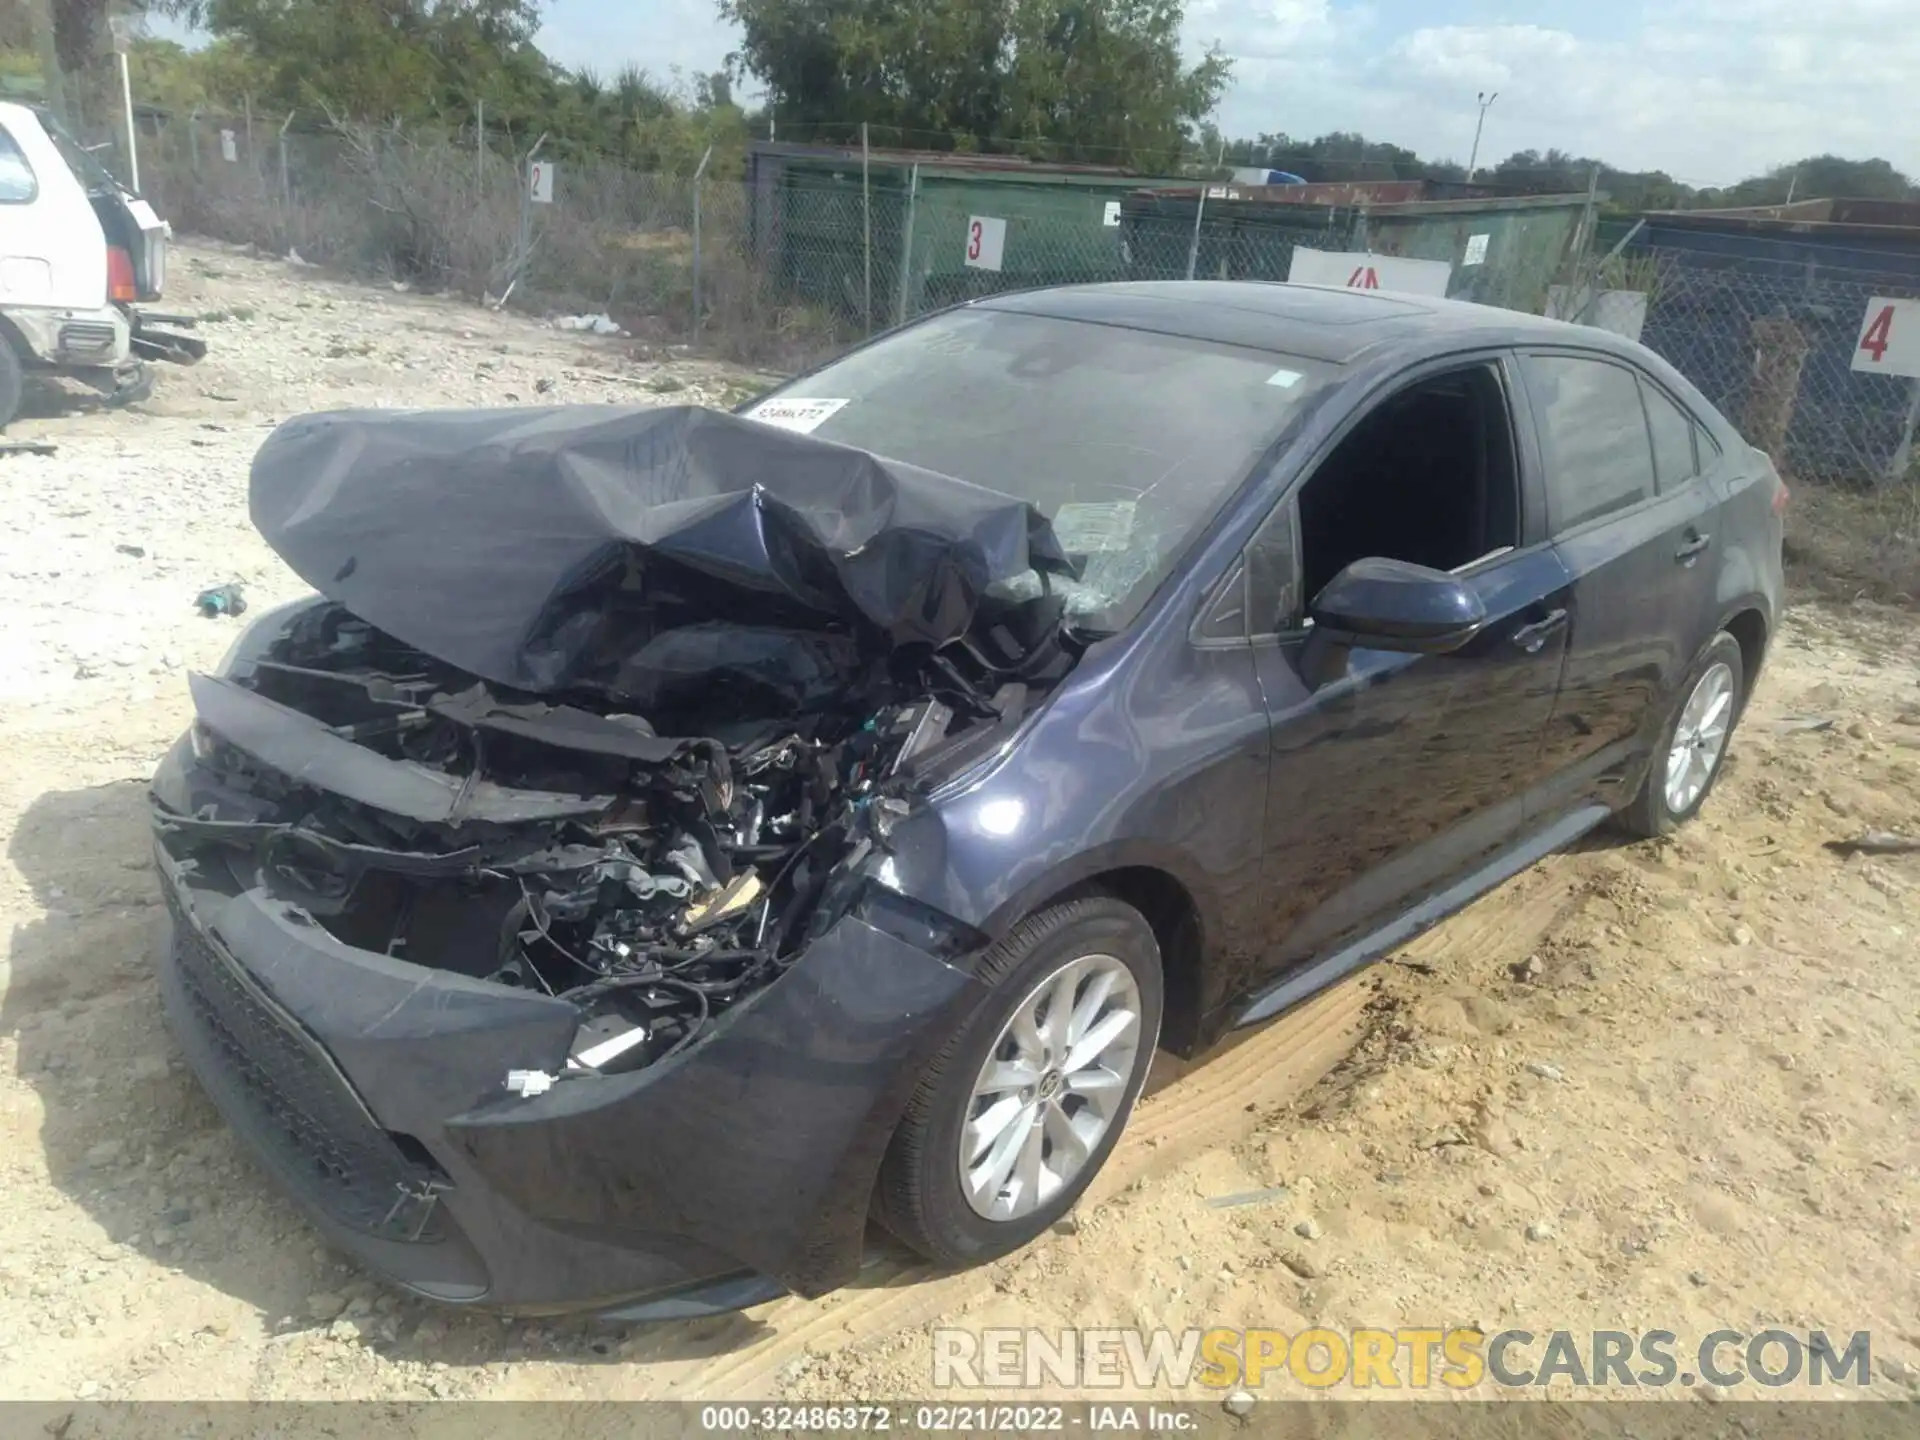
pixel 1670 1085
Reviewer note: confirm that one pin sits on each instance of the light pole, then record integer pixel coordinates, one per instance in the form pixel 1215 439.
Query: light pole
pixel 1486 100
pixel 122 29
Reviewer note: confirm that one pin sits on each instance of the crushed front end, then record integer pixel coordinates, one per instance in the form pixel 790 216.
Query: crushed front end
pixel 579 993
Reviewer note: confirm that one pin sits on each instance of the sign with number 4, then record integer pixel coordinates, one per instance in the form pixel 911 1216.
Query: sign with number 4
pixel 1889 342
pixel 986 242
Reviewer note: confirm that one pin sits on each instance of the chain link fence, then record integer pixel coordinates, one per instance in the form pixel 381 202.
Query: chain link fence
pixel 1772 344
pixel 782 275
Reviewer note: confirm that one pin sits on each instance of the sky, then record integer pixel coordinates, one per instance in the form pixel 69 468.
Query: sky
pixel 1710 91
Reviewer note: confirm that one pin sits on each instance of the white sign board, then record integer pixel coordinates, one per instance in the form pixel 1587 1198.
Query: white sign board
pixel 986 242
pixel 1624 312
pixel 1359 270
pixel 229 148
pixel 540 182
pixel 1110 217
pixel 1889 342
pixel 806 416
pixel 1476 251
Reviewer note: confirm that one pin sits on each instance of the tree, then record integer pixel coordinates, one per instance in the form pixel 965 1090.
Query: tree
pixel 1341 155
pixel 1820 177
pixel 1081 79
pixel 379 59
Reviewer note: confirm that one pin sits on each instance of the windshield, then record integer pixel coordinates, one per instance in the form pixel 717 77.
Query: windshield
pixel 1128 441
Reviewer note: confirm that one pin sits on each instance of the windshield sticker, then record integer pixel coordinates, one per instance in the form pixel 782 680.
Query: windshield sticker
pixel 806 416
pixel 1285 379
pixel 1095 527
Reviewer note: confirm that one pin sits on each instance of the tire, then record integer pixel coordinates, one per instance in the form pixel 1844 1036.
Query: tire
pixel 12 382
pixel 1654 810
pixel 920 1196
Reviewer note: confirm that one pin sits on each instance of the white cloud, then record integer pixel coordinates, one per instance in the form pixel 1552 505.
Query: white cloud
pixel 1708 90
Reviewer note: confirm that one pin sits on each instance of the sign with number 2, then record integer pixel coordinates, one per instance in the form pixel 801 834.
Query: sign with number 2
pixel 1889 342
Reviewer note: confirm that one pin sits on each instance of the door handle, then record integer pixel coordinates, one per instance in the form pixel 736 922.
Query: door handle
pixel 1531 638
pixel 1695 544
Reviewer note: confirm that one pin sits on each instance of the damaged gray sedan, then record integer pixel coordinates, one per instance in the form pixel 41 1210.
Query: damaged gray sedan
pixel 599 893
pixel 669 840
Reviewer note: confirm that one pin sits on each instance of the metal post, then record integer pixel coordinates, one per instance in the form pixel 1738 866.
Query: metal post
pixel 1582 239
pixel 479 145
pixel 1903 456
pixel 133 140
pixel 906 245
pixel 523 243
pixel 866 228
pixel 193 137
pixel 247 108
pixel 699 172
pixel 286 179
pixel 1193 248
pixel 1486 103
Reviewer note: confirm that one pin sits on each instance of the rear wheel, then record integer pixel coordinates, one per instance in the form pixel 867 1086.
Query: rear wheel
pixel 1692 744
pixel 12 381
pixel 1021 1108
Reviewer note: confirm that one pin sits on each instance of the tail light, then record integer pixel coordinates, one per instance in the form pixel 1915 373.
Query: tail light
pixel 1779 496
pixel 120 281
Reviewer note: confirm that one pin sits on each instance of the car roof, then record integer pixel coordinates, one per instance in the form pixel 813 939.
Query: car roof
pixel 1314 322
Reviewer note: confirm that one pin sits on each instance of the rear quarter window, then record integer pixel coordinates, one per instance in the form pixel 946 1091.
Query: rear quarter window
pixel 17 185
pixel 1673 440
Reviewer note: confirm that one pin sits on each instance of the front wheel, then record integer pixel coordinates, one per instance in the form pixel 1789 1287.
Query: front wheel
pixel 1021 1108
pixel 1692 744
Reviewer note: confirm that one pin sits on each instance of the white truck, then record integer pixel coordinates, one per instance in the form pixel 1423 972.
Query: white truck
pixel 78 253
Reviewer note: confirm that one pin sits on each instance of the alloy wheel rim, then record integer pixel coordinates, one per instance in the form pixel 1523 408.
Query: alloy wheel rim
pixel 1699 738
pixel 1051 1087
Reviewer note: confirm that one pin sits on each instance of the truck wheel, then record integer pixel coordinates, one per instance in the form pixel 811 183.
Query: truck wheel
pixel 1021 1108
pixel 12 381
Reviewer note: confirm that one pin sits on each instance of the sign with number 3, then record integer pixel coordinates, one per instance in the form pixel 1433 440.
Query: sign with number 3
pixel 1889 342
pixel 986 242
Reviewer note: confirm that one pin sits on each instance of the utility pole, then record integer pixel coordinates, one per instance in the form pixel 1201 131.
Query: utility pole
pixel 1486 101
pixel 122 28
pixel 51 80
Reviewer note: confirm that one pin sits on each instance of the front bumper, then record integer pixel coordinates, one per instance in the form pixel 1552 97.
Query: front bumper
pixel 372 1090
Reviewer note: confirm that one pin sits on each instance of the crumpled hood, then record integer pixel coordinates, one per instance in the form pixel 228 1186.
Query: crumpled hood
pixel 502 541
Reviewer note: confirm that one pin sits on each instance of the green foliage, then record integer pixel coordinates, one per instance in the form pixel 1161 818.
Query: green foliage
pixel 1818 177
pixel 1341 155
pixel 437 63
pixel 1086 79
pixel 1344 156
pixel 377 59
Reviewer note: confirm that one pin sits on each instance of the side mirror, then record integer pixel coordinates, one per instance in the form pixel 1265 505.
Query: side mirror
pixel 1377 604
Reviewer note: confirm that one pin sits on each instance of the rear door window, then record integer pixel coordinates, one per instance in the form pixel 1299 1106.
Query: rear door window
pixel 1593 437
pixel 17 185
pixel 1674 458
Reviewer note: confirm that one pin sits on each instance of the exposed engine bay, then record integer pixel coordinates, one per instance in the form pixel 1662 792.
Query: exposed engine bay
pixel 648 789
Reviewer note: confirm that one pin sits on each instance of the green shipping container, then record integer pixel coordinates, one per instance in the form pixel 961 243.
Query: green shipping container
pixel 909 243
